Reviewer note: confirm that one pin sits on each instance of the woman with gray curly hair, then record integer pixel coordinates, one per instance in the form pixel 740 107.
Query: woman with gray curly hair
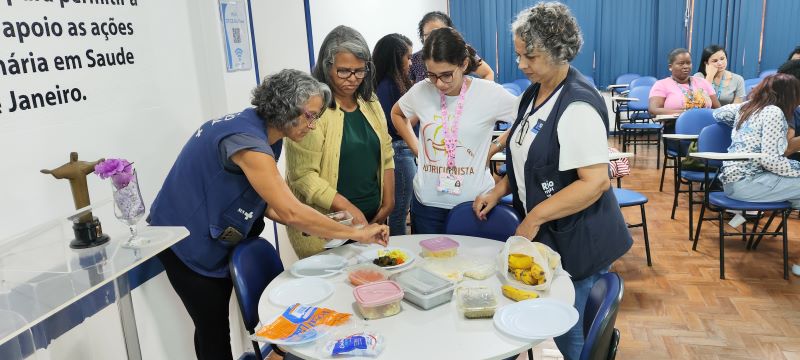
pixel 557 160
pixel 347 164
pixel 223 183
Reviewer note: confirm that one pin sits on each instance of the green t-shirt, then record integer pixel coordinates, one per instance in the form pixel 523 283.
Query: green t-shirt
pixel 359 161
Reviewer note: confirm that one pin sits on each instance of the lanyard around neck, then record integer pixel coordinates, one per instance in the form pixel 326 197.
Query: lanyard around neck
pixel 451 127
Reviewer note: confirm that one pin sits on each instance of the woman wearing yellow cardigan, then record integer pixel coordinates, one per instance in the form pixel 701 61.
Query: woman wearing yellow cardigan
pixel 347 162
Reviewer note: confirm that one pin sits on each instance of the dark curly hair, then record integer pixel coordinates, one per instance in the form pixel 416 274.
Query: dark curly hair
pixel 549 27
pixel 433 16
pixel 447 45
pixel 281 97
pixel 388 55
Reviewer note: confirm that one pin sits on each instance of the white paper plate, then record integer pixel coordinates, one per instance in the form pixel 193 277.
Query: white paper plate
pixel 306 291
pixel 536 319
pixel 372 254
pixel 318 266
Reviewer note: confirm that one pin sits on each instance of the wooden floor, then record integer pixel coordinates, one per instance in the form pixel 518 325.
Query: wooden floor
pixel 679 308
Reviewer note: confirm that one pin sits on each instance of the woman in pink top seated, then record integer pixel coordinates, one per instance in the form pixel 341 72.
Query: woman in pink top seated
pixel 681 91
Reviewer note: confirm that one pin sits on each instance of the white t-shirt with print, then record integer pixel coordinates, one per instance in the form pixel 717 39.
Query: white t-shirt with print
pixel 485 103
pixel 581 135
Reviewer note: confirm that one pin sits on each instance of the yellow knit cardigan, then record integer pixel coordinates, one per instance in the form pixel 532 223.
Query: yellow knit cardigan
pixel 312 166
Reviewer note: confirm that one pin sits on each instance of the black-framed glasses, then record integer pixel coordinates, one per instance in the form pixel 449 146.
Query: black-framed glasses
pixel 445 77
pixel 346 73
pixel 526 124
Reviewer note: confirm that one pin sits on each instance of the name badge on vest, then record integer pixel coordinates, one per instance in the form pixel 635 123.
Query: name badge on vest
pixel 450 183
pixel 539 124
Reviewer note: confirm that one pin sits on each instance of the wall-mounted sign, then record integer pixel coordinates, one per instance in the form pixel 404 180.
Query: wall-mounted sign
pixel 236 32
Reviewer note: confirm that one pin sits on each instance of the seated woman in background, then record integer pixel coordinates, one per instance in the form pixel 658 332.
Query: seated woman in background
pixel 392 57
pixel 680 91
pixel 728 86
pixel 793 150
pixel 432 21
pixel 346 164
pixel 760 126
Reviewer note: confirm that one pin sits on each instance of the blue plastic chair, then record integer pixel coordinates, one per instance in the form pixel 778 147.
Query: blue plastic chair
pixel 599 316
pixel 717 138
pixel 624 79
pixel 512 88
pixel 523 84
pixel 637 111
pixel 253 265
pixel 642 81
pixel 627 198
pixel 766 73
pixel 501 222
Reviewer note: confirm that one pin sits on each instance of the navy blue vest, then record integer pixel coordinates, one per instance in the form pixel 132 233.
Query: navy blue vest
pixel 200 194
pixel 592 239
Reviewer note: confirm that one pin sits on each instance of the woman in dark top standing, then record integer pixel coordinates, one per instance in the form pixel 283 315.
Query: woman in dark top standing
pixel 557 159
pixel 432 21
pixel 392 57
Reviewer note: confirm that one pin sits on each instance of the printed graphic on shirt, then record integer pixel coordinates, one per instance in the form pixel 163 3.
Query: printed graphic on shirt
pixel 435 151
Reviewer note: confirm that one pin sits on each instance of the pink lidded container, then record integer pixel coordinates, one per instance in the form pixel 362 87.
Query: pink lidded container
pixel 439 247
pixel 379 299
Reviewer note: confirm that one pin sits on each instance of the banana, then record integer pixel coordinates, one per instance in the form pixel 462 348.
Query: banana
pixel 519 261
pixel 518 294
pixel 536 271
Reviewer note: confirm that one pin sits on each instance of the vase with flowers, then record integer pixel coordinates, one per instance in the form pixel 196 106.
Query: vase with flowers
pixel 128 203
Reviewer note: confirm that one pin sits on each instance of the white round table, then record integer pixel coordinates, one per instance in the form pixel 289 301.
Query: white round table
pixel 438 333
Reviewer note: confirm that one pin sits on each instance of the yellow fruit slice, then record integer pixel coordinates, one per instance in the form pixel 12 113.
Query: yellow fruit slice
pixel 518 294
pixel 519 261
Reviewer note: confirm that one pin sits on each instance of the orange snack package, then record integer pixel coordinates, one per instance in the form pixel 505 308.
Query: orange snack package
pixel 300 322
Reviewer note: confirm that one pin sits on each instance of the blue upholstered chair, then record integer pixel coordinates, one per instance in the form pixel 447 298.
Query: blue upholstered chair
pixel 627 198
pixel 500 223
pixel 640 124
pixel 599 316
pixel 253 265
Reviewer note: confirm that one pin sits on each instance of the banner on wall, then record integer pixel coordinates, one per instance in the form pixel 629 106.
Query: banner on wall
pixel 236 32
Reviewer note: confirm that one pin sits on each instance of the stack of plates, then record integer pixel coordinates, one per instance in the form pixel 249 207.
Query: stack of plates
pixel 322 265
pixel 536 319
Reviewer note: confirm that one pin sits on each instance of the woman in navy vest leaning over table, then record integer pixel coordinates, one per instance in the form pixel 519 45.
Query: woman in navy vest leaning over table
pixel 557 159
pixel 223 183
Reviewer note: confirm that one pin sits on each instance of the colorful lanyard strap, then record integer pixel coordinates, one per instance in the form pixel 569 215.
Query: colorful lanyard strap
pixel 451 127
pixel 718 88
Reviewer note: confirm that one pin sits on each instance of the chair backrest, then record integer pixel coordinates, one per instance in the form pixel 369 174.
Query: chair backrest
pixel 512 88
pixel 523 84
pixel 766 73
pixel 254 263
pixel 642 81
pixel 692 121
pixel 626 78
pixel 714 138
pixel 500 223
pixel 599 316
pixel 643 94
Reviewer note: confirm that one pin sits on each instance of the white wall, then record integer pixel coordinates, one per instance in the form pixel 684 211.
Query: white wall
pixel 373 19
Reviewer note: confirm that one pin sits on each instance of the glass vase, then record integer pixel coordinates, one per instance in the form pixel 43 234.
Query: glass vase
pixel 128 206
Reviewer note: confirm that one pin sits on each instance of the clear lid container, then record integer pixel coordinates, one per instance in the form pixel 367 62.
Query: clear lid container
pixel 476 302
pixel 378 293
pixel 366 273
pixel 422 281
pixel 439 243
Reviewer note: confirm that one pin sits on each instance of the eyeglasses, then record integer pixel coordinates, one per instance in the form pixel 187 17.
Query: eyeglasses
pixel 445 77
pixel 346 73
pixel 523 129
pixel 311 118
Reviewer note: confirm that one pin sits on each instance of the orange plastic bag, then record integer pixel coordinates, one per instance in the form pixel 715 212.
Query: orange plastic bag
pixel 300 322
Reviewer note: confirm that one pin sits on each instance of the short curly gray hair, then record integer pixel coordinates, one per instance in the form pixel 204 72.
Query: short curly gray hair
pixel 345 39
pixel 281 97
pixel 549 27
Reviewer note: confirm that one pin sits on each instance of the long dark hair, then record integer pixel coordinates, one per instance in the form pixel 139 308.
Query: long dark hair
pixel 781 90
pixel 707 52
pixel 795 51
pixel 434 16
pixel 388 56
pixel 447 45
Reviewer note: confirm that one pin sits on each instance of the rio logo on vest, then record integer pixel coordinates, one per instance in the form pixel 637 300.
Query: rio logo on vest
pixel 247 215
pixel 548 187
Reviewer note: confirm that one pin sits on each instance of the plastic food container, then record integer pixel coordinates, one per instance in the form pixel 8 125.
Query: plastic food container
pixel 379 299
pixel 476 302
pixel 424 288
pixel 366 273
pixel 440 247
pixel 343 217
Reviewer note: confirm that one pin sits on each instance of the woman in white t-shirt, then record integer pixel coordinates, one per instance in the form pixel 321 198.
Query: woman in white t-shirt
pixel 452 154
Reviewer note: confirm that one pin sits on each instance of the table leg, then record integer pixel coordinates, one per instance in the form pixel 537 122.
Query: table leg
pixel 127 318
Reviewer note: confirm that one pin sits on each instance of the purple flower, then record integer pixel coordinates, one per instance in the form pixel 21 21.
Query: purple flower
pixel 119 170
